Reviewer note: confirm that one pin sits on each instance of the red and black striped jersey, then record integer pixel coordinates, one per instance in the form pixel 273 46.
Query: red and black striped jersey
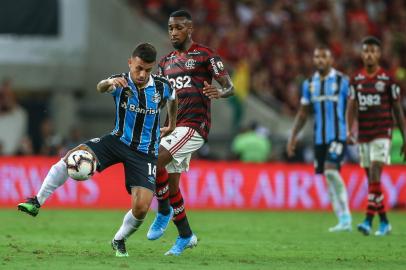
pixel 187 72
pixel 375 95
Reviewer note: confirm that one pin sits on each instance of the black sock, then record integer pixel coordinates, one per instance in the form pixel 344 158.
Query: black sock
pixel 383 217
pixel 163 207
pixel 183 228
pixel 369 218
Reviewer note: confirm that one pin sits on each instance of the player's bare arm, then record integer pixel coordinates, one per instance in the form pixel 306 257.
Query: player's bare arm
pixel 300 121
pixel 172 107
pixel 109 85
pixel 350 115
pixel 400 120
pixel 226 90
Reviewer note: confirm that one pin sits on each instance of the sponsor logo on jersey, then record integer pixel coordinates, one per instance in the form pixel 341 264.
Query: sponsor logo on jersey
pixel 215 68
pixel 220 65
pixel 95 140
pixel 134 108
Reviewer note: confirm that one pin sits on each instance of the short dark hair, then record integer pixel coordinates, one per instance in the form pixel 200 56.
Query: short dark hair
pixel 371 40
pixel 181 13
pixel 322 46
pixel 146 52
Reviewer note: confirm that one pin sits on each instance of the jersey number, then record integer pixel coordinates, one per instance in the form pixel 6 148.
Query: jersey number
pixel 181 82
pixel 151 169
pixel 336 148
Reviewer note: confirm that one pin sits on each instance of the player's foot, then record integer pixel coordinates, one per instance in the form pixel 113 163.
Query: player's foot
pixel 364 227
pixel 31 206
pixel 181 244
pixel 384 229
pixel 341 227
pixel 119 247
pixel 158 227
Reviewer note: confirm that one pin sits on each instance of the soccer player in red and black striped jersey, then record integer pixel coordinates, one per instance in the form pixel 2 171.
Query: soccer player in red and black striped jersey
pixel 190 68
pixel 374 97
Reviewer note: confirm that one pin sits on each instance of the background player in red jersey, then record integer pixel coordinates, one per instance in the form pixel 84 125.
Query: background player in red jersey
pixel 374 96
pixel 190 69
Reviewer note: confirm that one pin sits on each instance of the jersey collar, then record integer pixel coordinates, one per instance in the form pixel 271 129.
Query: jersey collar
pixel 150 81
pixel 331 74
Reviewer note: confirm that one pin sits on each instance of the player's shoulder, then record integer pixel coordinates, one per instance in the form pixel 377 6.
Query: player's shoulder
pixel 161 79
pixel 342 75
pixel 358 76
pixel 123 74
pixel 167 57
pixel 384 75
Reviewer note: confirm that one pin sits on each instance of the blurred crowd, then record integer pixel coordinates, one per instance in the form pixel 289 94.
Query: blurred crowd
pixel 24 133
pixel 273 40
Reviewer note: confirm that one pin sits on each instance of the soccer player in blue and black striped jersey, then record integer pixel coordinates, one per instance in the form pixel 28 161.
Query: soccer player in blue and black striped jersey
pixel 134 141
pixel 325 93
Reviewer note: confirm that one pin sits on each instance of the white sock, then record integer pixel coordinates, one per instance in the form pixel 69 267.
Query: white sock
pixel 57 175
pixel 339 198
pixel 129 226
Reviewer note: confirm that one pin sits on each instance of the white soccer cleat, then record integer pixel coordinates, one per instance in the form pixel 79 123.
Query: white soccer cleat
pixel 341 227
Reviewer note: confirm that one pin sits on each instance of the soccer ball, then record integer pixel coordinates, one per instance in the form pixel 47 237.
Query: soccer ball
pixel 81 165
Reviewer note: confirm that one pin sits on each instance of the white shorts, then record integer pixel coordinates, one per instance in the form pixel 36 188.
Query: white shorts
pixel 181 143
pixel 376 150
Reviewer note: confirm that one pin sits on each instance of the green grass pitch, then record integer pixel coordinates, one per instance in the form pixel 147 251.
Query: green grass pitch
pixel 76 239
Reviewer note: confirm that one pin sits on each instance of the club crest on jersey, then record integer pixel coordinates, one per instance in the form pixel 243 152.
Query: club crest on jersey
pixel 156 98
pixel 334 87
pixel 190 64
pixel 380 86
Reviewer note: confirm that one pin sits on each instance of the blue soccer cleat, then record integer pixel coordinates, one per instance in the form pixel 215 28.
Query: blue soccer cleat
pixel 384 229
pixel 158 227
pixel 181 244
pixel 364 227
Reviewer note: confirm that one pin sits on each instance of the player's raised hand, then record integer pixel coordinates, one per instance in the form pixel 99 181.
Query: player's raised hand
pixel 291 147
pixel 211 91
pixel 119 82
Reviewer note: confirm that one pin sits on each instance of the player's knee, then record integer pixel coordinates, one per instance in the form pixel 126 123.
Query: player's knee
pixel 140 210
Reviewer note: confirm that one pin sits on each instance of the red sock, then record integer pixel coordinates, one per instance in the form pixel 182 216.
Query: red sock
pixel 375 198
pixel 162 185
pixel 179 217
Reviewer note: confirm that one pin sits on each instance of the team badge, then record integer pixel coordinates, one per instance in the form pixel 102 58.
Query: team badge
pixel 311 88
pixel 380 86
pixel 156 98
pixel 190 64
pixel 334 86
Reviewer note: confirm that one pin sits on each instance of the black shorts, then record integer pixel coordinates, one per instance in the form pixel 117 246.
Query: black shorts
pixel 139 168
pixel 332 153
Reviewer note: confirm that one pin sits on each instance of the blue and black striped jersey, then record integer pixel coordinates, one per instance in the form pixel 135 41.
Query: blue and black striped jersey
pixel 329 99
pixel 137 121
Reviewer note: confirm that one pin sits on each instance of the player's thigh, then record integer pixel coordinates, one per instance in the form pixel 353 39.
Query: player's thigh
pixel 105 150
pixel 335 155
pixel 364 155
pixel 181 144
pixel 140 170
pixel 320 154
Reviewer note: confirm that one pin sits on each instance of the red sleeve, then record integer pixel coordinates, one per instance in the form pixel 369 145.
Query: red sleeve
pixel 216 65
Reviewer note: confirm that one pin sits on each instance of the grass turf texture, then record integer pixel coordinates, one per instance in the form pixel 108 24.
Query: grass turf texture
pixel 75 239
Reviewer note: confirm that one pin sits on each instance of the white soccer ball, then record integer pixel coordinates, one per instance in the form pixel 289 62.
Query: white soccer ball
pixel 81 165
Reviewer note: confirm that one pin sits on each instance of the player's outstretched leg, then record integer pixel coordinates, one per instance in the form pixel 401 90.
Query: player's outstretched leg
pixel 55 178
pixel 186 238
pixel 165 211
